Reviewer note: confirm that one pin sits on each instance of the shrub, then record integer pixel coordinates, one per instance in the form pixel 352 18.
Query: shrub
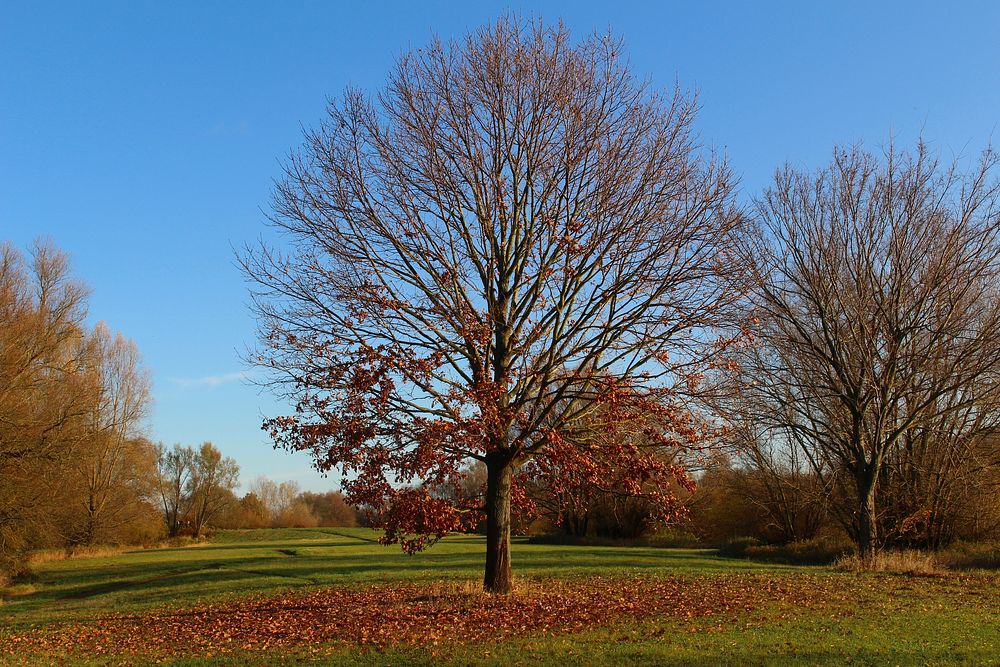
pixel 816 551
pixel 971 555
pixel 737 547
pixel 180 541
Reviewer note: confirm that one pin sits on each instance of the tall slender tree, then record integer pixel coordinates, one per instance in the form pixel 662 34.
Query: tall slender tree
pixel 210 487
pixel 115 471
pixel 174 468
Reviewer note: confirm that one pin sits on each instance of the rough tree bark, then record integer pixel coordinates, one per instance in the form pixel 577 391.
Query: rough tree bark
pixel 497 577
pixel 867 524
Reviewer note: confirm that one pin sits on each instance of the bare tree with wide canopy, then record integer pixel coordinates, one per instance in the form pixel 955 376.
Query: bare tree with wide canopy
pixel 514 235
pixel 880 317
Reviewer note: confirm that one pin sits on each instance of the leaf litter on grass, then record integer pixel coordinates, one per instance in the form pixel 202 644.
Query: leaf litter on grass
pixel 431 614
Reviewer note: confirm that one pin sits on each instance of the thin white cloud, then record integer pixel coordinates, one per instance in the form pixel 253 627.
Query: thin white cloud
pixel 211 380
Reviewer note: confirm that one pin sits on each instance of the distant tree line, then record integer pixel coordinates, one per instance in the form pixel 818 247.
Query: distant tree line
pixel 196 491
pixel 268 504
pixel 74 467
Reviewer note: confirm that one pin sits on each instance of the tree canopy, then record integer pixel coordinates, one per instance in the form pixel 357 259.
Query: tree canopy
pixel 515 235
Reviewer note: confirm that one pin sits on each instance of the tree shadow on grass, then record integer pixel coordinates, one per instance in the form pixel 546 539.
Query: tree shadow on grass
pixel 183 575
pixel 115 586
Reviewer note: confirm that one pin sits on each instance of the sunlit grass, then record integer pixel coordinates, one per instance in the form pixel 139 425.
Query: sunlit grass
pixel 895 620
pixel 242 562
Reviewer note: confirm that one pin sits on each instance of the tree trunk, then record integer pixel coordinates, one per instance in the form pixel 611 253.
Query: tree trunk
pixel 200 518
pixel 867 521
pixel 497 577
pixel 89 530
pixel 173 526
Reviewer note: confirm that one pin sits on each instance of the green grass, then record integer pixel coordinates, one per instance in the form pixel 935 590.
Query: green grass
pixel 897 620
pixel 241 562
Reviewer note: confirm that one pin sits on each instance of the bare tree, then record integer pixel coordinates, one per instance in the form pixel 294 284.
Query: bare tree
pixel 879 312
pixel 115 469
pixel 514 223
pixel 775 476
pixel 284 502
pixel 175 468
pixel 210 486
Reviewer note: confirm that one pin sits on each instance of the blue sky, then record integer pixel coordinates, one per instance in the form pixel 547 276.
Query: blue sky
pixel 144 137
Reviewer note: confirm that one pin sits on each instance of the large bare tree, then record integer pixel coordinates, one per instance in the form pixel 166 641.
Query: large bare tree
pixel 880 315
pixel 511 233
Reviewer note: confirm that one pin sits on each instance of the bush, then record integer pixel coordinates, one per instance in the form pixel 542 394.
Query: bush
pixel 737 547
pixel 817 551
pixel 146 529
pixel 971 556
pixel 11 565
pixel 181 541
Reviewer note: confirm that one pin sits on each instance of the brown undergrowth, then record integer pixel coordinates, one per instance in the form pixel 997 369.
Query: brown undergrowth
pixel 910 562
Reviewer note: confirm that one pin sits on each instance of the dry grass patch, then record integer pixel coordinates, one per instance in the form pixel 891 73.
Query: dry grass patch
pixel 110 551
pixel 50 555
pixel 909 561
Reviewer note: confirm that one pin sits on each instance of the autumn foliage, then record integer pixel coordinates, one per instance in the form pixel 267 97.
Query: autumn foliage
pixel 74 467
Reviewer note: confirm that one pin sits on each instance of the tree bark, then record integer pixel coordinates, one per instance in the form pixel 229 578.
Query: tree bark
pixel 497 578
pixel 867 521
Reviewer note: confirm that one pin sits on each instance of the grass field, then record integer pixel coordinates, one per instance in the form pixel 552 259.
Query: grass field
pixel 335 595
